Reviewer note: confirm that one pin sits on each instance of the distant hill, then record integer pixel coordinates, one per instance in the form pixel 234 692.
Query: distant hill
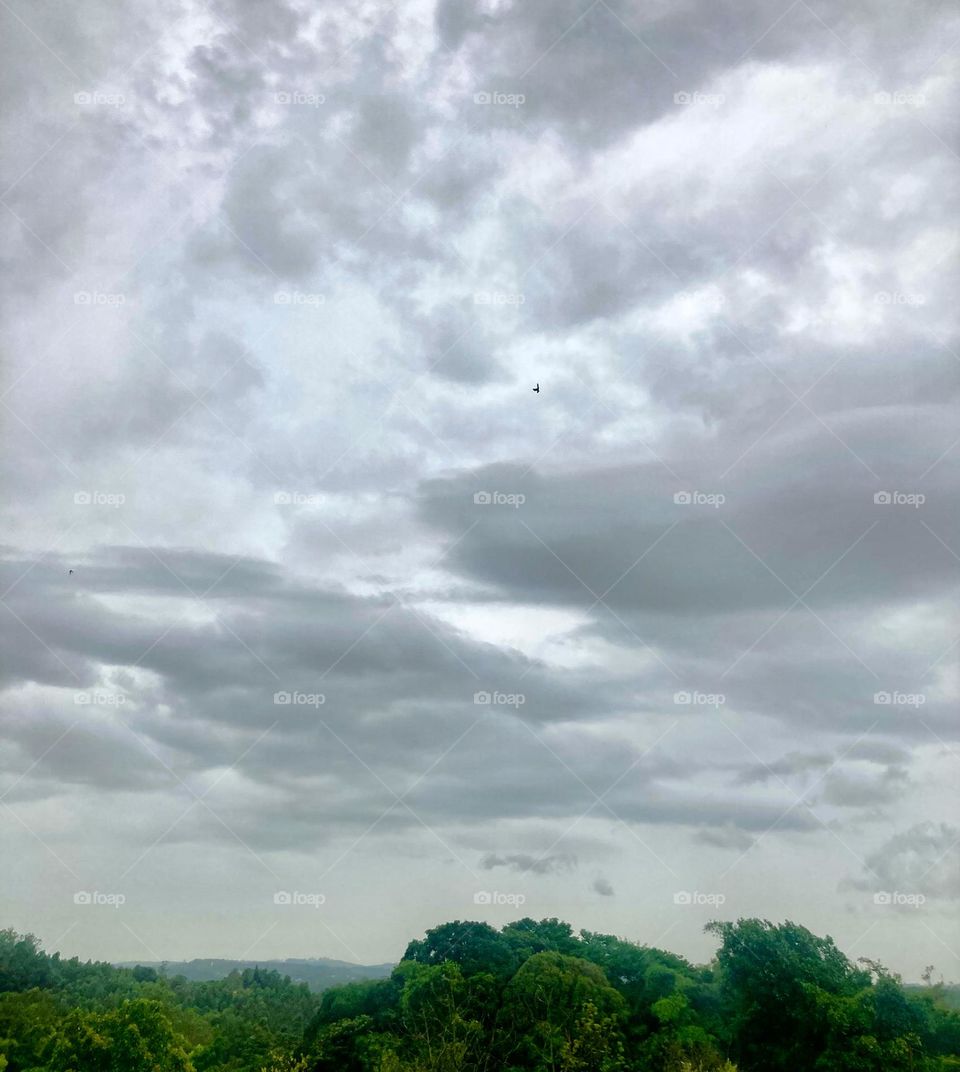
pixel 949 993
pixel 318 973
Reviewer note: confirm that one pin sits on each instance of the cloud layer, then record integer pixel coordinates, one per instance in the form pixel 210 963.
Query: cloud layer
pixel 303 586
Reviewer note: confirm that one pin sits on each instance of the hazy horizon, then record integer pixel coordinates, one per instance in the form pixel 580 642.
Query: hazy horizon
pixel 322 627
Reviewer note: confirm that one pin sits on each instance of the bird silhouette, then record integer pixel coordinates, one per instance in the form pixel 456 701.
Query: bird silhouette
pixel 70 571
pixel 536 389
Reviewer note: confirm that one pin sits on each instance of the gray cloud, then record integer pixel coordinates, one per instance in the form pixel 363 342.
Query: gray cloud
pixel 603 887
pixel 280 286
pixel 725 838
pixel 923 859
pixel 523 863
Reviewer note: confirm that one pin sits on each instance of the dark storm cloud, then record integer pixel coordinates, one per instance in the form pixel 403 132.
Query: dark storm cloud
pixel 595 69
pixel 457 348
pixel 725 838
pixel 260 630
pixel 923 859
pixel 792 764
pixel 861 776
pixel 863 788
pixel 396 687
pixel 582 533
pixel 522 863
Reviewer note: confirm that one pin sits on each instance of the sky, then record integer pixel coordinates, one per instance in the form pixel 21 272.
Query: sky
pixel 322 627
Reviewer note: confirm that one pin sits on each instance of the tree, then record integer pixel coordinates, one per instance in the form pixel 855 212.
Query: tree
pixel 672 1007
pixel 22 964
pixel 777 982
pixel 528 936
pixel 476 947
pixel 29 1027
pixel 531 998
pixel 338 1047
pixel 443 1014
pixel 136 1037
pixel 376 998
pixel 558 1012
pixel 594 1046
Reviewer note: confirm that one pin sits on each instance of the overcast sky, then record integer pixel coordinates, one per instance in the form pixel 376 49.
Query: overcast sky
pixel 280 280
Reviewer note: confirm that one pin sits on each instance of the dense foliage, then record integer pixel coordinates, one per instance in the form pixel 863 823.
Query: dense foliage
pixel 532 997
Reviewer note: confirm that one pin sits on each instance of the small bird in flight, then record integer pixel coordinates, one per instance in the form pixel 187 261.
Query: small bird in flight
pixel 70 571
pixel 536 389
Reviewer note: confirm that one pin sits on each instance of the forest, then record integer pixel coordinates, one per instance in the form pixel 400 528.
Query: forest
pixel 533 996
